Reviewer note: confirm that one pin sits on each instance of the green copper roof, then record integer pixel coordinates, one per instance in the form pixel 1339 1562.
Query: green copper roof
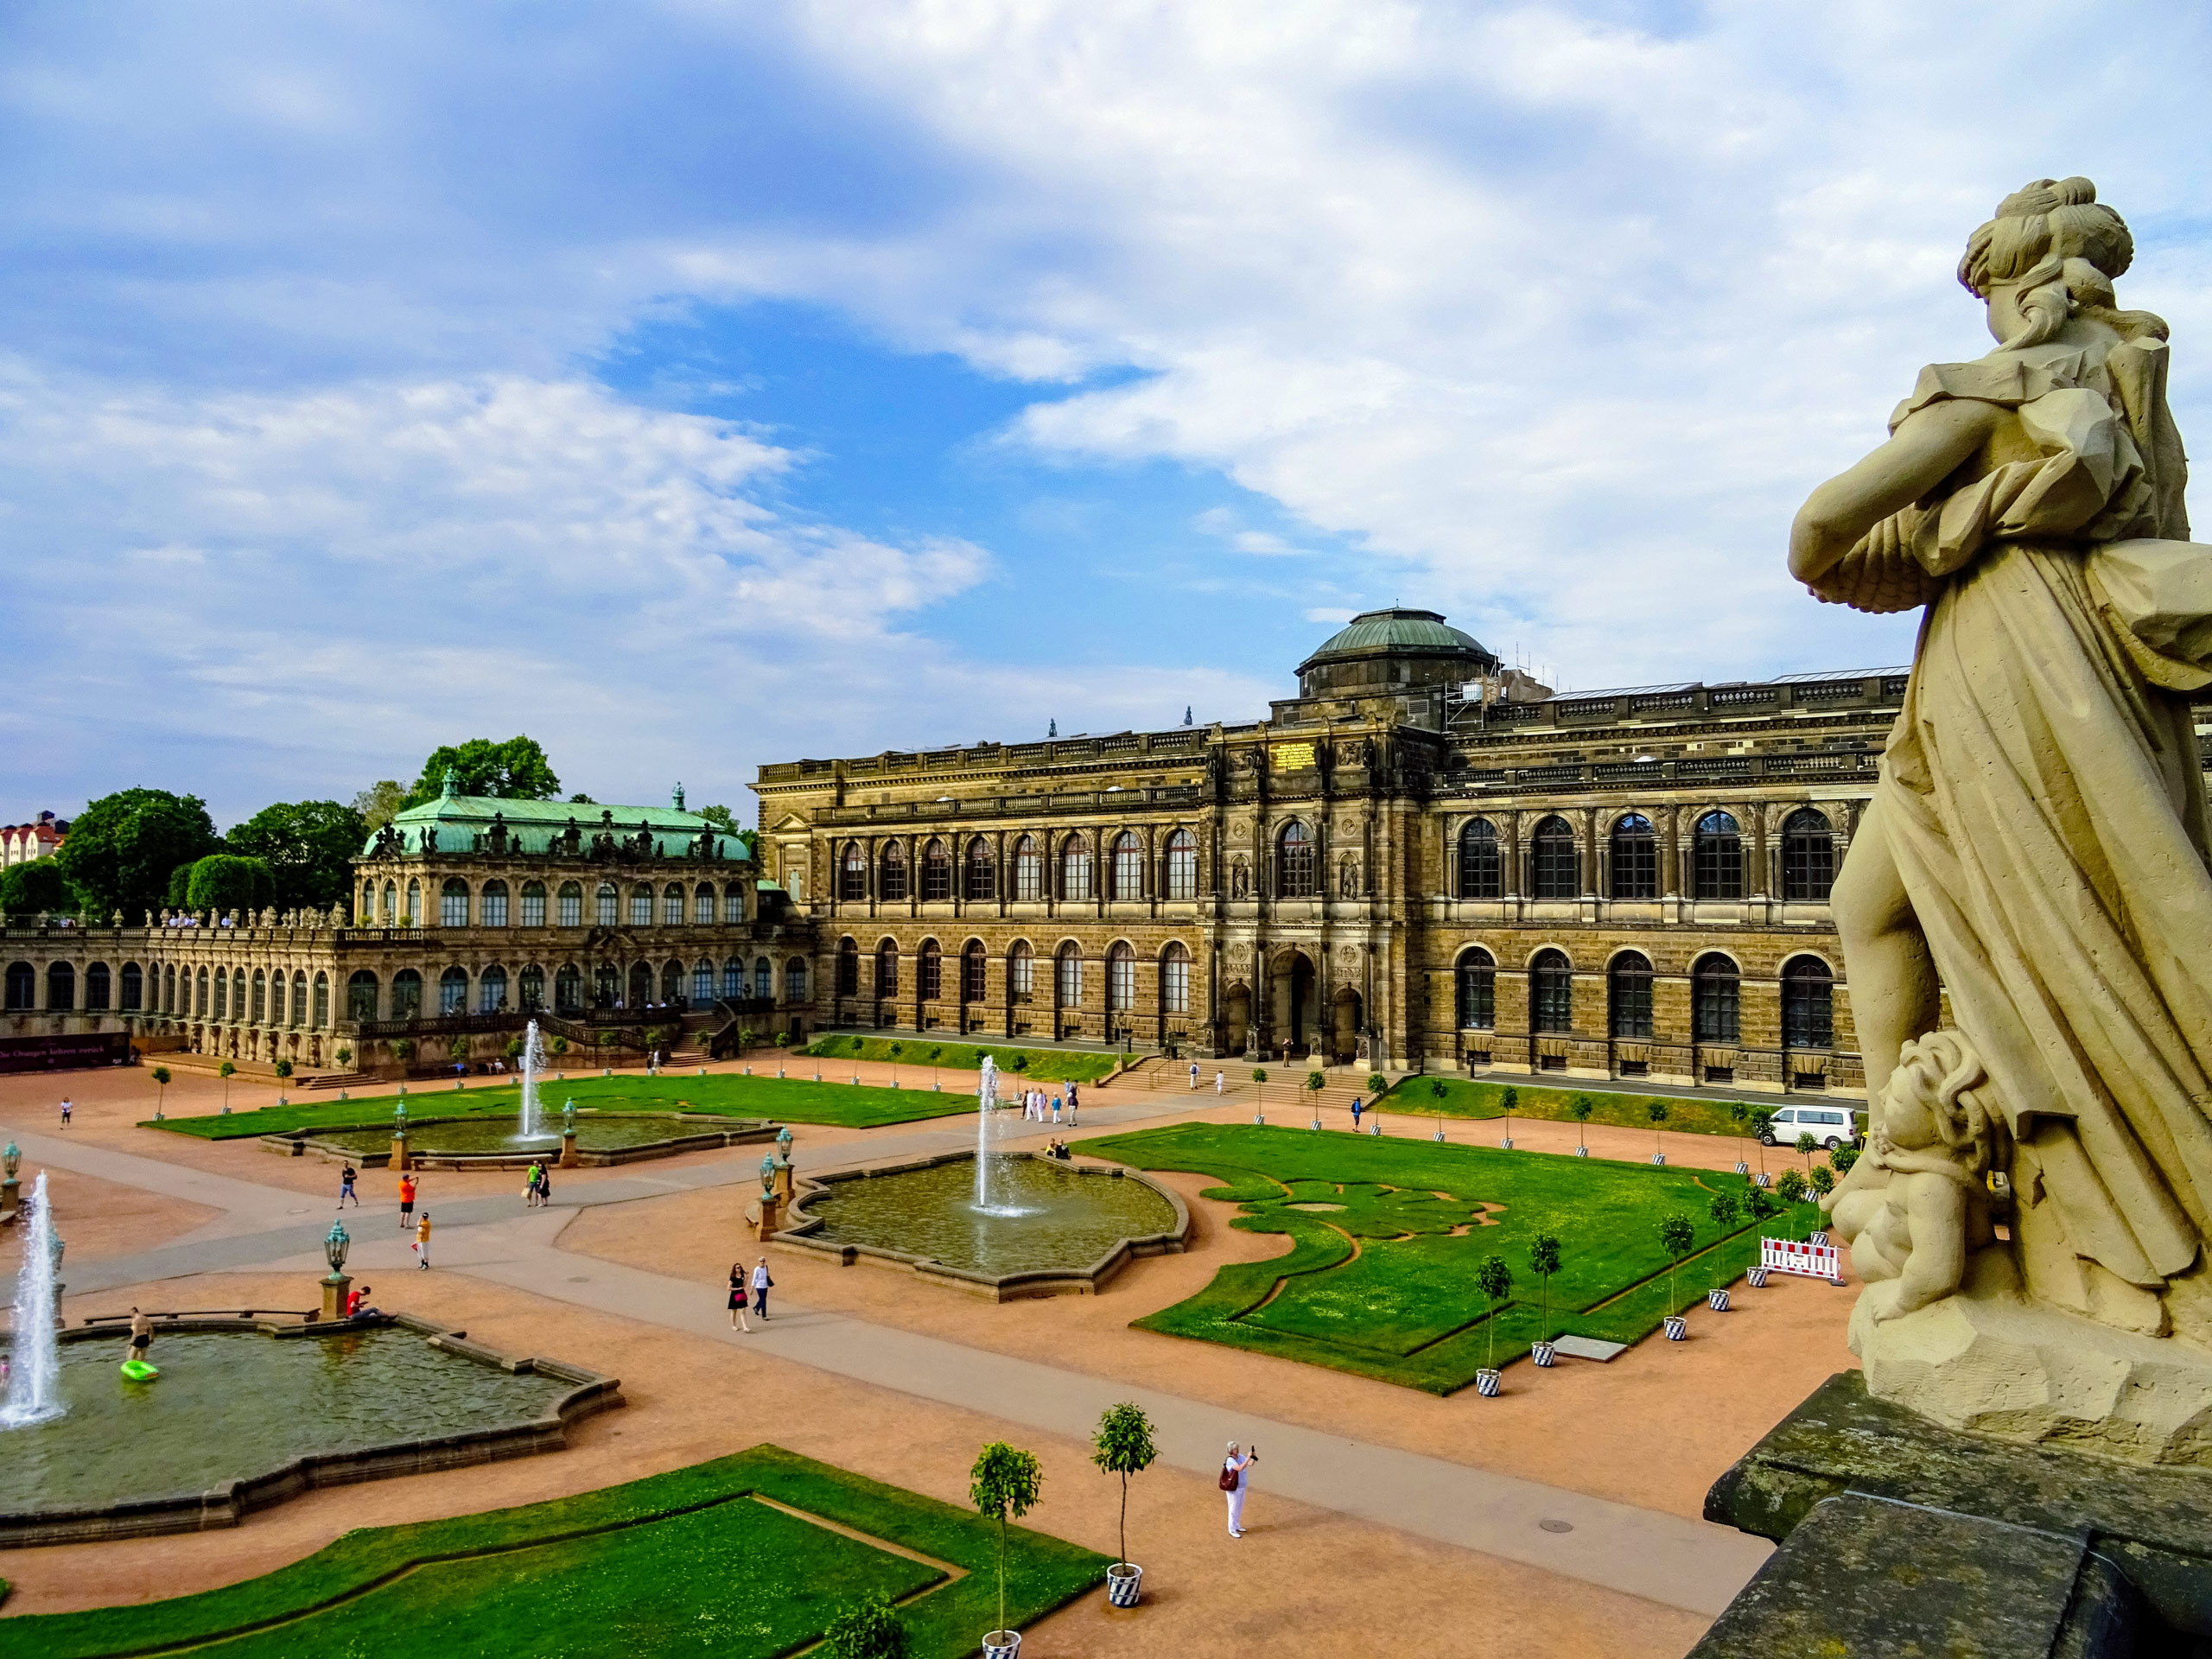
pixel 1415 632
pixel 532 825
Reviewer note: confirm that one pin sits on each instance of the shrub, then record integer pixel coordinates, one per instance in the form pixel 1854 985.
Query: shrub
pixel 1376 1082
pixel 868 1628
pixel 457 1049
pixel 1842 1159
pixel 1790 1189
pixel 1823 1180
pixel 344 1056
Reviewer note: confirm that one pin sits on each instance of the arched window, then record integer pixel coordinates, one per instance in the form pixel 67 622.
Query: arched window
pixel 1478 990
pixel 571 912
pixel 168 990
pixel 276 998
pixel 603 905
pixel 1028 869
pixel 321 1019
pixel 222 994
pixel 1555 871
pixel 703 982
pixel 932 971
pixel 1175 979
pixel 1075 867
pixel 672 977
pixel 414 903
pixel 1808 1004
pixel 361 996
pixel 532 989
pixel 972 961
pixel 492 990
pixel 937 871
pixel 533 904
pixel 1121 977
pixel 1551 991
pixel 495 904
pixel 134 987
pixel 96 986
pixel 1636 858
pixel 1482 874
pixel 1182 865
pixel 1295 861
pixel 641 984
pixel 406 995
pixel 390 905
pixel 1807 857
pixel 569 988
pixel 453 991
pixel 795 980
pixel 605 984
pixel 886 969
pixel 22 987
pixel 1628 995
pixel 260 996
pixel 981 873
pixel 733 903
pixel 1129 866
pixel 367 912
pixel 733 977
pixel 641 905
pixel 237 992
pixel 852 873
pixel 1067 983
pixel 848 969
pixel 60 985
pixel 299 998
pixel 672 905
pixel 894 871
pixel 702 906
pixel 1021 970
pixel 764 980
pixel 1715 998
pixel 1719 855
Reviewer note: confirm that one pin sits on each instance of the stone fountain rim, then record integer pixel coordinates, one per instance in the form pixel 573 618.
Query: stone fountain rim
pixel 754 1130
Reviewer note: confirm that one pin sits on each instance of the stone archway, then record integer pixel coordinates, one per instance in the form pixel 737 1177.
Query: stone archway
pixel 1293 1000
pixel 1344 1026
pixel 1236 1018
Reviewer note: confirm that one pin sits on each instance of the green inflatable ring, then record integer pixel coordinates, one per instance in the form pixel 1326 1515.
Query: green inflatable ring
pixel 137 1370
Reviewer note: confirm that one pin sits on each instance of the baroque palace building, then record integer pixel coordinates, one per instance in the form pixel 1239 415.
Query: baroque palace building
pixel 1421 860
pixel 469 916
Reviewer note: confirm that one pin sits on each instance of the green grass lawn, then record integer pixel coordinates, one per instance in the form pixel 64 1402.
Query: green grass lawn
pixel 688 1562
pixel 727 1094
pixel 1466 1098
pixel 1044 1064
pixel 1381 1277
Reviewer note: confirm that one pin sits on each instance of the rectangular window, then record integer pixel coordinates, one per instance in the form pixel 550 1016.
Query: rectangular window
pixel 971 977
pixel 495 907
pixel 1028 874
pixel 795 983
pixel 1121 983
pixel 1025 974
pixel 734 907
pixel 641 908
pixel 932 976
pixel 1075 873
pixel 1175 985
pixel 1182 868
pixel 533 907
pixel 453 909
pixel 605 907
pixel 671 910
pixel 764 979
pixel 703 912
pixel 1071 981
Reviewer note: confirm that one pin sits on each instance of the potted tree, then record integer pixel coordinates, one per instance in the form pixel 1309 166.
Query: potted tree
pixel 1315 1083
pixel 868 1628
pixel 1122 1446
pixel 1259 1094
pixel 403 1050
pixel 1740 1116
pixel 1790 1189
pixel 897 1049
pixel 160 1077
pixel 227 1071
pixel 1656 1111
pixel 1509 1100
pixel 1822 1181
pixel 1579 1109
pixel 1676 1235
pixel 936 1086
pixel 457 1051
pixel 284 1069
pixel 1543 1261
pixel 1723 1211
pixel 343 1055
pixel 1004 1483
pixel 1495 1280
pixel 1763 1136
pixel 1806 1146
pixel 1762 1204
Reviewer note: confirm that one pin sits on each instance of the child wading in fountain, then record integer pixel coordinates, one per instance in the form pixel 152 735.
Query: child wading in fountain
pixel 406 1201
pixel 346 1177
pixel 142 1335
pixel 422 1240
pixel 737 1319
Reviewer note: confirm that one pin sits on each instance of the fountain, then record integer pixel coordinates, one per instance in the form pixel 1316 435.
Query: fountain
pixel 34 1394
pixel 987 1104
pixel 533 1058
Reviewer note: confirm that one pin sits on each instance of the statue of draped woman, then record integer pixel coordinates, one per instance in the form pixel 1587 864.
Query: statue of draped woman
pixel 2032 1213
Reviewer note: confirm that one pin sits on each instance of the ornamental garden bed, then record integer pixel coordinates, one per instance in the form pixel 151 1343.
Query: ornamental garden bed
pixel 922 1053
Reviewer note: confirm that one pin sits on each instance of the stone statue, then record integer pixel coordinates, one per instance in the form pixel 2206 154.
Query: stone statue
pixel 2037 847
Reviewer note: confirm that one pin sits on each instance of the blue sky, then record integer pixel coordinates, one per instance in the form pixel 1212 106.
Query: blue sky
pixel 692 385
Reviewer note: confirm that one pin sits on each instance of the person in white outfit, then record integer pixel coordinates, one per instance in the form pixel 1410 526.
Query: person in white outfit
pixel 1194 1074
pixel 1220 1082
pixel 1234 1480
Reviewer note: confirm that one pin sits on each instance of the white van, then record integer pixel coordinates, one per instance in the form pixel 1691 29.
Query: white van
pixel 1830 1126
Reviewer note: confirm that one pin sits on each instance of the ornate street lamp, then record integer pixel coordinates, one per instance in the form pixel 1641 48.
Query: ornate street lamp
pixel 335 1246
pixel 569 1118
pixel 767 1176
pixel 337 1284
pixel 11 1160
pixel 784 1143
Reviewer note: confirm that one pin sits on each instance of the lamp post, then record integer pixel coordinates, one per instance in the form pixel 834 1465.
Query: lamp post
pixel 399 1137
pixel 335 1287
pixel 568 1159
pixel 11 1160
pixel 772 1201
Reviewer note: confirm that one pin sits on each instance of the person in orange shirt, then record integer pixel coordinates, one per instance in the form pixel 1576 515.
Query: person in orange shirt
pixel 406 1200
pixel 422 1240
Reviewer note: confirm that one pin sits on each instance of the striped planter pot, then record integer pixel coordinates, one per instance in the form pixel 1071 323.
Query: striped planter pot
pixel 1486 1383
pixel 1818 1239
pixel 1756 1277
pixel 1717 1299
pixel 1002 1644
pixel 1507 1143
pixel 1678 1328
pixel 1544 1354
pixel 1658 1157
pixel 1439 1137
pixel 1375 1128
pixel 1317 1122
pixel 1256 1118
pixel 1742 1168
pixel 1124 1581
pixel 1766 1179
pixel 1582 1152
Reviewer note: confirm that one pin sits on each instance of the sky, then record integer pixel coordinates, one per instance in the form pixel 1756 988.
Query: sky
pixel 694 386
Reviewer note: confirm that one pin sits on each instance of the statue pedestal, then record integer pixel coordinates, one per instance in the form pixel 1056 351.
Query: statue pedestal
pixel 767 1217
pixel 569 1159
pixel 335 1288
pixel 784 1184
pixel 398 1152
pixel 1900 1536
pixel 10 1196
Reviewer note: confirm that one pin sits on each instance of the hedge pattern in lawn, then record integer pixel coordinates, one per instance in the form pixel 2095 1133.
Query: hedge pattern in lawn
pixel 1463 1097
pixel 1041 1064
pixel 688 1561
pixel 1388 1235
pixel 724 1094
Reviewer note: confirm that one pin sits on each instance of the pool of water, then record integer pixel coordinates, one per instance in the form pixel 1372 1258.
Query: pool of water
pixel 490 1134
pixel 1069 1220
pixel 236 1403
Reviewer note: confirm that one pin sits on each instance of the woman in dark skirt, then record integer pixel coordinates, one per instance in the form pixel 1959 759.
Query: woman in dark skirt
pixel 737 1298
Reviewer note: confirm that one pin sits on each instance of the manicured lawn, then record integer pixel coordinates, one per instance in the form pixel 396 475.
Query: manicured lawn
pixel 1381 1279
pixel 1044 1064
pixel 1467 1098
pixel 727 1094
pixel 686 1562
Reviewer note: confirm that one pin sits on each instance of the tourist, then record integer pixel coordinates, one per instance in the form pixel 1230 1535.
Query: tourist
pixel 1071 1103
pixel 65 1110
pixel 142 1335
pixel 422 1240
pixel 1056 1111
pixel 544 1183
pixel 346 1177
pixel 1220 1083
pixel 1234 1480
pixel 737 1319
pixel 762 1284
pixel 356 1300
pixel 1194 1074
pixel 1355 1114
pixel 406 1199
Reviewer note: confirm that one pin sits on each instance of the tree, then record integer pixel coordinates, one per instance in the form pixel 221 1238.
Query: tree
pixel 1842 1159
pixel 1738 1114
pixel 404 1049
pixel 227 1071
pixel 379 804
pixel 1316 1082
pixel 160 1077
pixel 720 816
pixel 1723 1208
pixel 1761 1203
pixel 30 887
pixel 225 881
pixel 1579 1109
pixel 121 848
pixel 284 1068
pixel 1543 1261
pixel 1676 1235
pixel 1122 1445
pixel 1790 1188
pixel 1495 1280
pixel 1004 1482
pixel 581 799
pixel 1762 1120
pixel 868 1628
pixel 1806 1147
pixel 1260 1083
pixel 1376 1082
pixel 308 847
pixel 1509 1100
pixel 1823 1180
pixel 516 770
pixel 1656 1111
pixel 457 1049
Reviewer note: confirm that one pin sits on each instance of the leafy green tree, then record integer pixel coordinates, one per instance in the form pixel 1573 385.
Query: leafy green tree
pixel 224 882
pixel 308 847
pixel 1822 1179
pixel 868 1628
pixel 1656 1111
pixel 1579 1109
pixel 1790 1188
pixel 121 848
pixel 1437 1090
pixel 1508 1102
pixel 284 1068
pixel 457 1049
pixel 1495 1280
pixel 1842 1159
pixel 1376 1082
pixel 1761 1203
pixel 1676 1235
pixel 160 1077
pixel 1122 1445
pixel 1004 1482
pixel 1543 1261
pixel 180 886
pixel 581 799
pixel 1739 1116
pixel 1806 1147
pixel 1762 1120
pixel 516 770
pixel 1723 1208
pixel 227 1071
pixel 35 885
pixel 379 804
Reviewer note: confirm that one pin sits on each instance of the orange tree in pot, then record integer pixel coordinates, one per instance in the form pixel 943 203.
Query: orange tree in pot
pixel 1122 1446
pixel 1004 1483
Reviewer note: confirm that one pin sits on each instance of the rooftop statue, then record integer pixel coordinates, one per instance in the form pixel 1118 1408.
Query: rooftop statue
pixel 2032 1213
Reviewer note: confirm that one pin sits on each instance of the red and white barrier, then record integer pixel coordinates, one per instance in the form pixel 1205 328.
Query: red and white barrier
pixel 1820 1261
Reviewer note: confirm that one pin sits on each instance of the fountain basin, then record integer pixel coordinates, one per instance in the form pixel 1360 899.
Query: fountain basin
pixel 1081 1223
pixel 249 1413
pixel 493 1142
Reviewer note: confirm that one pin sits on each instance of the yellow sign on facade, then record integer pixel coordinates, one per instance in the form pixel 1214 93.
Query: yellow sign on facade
pixel 1293 757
